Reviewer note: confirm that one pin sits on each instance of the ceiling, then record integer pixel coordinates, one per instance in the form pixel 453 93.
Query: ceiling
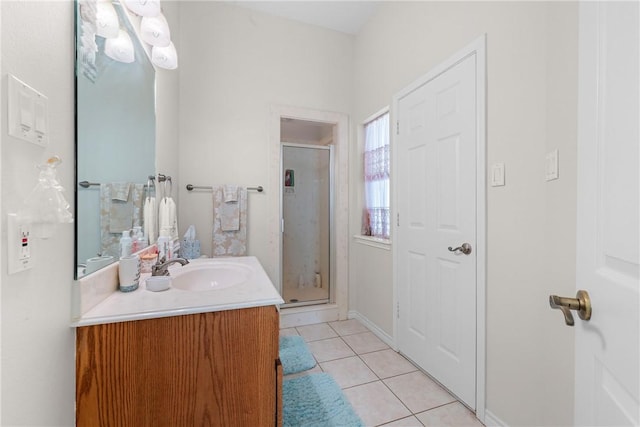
pixel 344 16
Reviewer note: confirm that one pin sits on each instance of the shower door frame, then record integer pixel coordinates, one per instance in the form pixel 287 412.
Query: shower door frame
pixel 332 237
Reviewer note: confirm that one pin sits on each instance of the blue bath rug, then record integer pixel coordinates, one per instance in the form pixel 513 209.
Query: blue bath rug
pixel 315 400
pixel 295 355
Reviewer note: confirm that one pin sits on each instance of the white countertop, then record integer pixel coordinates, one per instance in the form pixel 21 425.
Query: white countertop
pixel 143 304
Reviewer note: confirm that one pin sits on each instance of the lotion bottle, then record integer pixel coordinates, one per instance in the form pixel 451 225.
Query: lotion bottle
pixel 141 241
pixel 125 244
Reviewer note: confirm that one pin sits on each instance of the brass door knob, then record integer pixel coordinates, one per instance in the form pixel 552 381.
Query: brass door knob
pixel 581 303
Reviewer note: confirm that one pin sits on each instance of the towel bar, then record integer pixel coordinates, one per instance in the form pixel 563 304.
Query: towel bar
pixel 190 187
pixel 87 184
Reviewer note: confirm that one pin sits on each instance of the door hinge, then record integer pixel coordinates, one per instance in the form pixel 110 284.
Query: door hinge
pixel 398 310
pixel 398 127
pixel 398 219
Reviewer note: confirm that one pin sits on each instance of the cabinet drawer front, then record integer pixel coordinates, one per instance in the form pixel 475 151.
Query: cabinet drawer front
pixel 200 369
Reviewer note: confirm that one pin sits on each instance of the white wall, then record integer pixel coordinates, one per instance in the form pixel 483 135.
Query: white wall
pixel 38 362
pixel 236 64
pixel 250 61
pixel 37 343
pixel 532 101
pixel 2 262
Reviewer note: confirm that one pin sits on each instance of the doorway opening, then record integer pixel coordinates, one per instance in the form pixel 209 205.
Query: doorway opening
pixel 307 206
pixel 296 314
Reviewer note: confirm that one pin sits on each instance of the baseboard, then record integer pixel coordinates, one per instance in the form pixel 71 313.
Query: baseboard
pixel 388 339
pixel 490 420
pixel 308 315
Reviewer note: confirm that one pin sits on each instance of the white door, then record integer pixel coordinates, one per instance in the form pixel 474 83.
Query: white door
pixel 436 204
pixel 607 346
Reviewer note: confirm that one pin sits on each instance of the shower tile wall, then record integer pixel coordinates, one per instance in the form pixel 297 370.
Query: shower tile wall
pixel 306 215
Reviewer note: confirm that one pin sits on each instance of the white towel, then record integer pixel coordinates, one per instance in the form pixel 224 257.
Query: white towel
pixel 167 218
pixel 150 211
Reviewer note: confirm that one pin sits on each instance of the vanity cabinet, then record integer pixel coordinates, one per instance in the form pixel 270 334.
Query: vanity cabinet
pixel 208 369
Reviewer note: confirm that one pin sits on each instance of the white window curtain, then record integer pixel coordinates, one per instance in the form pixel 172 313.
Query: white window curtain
pixel 376 220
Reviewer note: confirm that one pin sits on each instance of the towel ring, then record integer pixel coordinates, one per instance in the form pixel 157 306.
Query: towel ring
pixel 151 184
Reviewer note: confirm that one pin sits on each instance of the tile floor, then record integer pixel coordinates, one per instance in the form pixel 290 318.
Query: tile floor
pixel 384 388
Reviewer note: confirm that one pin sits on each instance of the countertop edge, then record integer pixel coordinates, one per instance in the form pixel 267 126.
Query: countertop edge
pixel 130 317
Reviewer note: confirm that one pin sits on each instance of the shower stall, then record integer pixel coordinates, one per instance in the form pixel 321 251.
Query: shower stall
pixel 307 217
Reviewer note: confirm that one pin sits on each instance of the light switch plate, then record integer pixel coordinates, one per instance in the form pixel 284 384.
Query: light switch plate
pixel 497 175
pixel 552 165
pixel 18 245
pixel 28 118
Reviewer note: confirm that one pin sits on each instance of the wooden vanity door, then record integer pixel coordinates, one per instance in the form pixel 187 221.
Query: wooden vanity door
pixel 194 370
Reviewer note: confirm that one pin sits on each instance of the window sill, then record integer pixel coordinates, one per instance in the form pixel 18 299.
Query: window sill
pixel 375 242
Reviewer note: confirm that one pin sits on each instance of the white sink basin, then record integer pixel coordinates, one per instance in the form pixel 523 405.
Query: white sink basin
pixel 210 276
pixel 202 286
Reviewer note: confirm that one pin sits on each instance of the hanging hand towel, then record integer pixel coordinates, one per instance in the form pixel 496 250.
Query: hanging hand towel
pixel 121 208
pixel 114 220
pixel 167 218
pixel 230 209
pixel 120 191
pixel 150 212
pixel 233 242
pixel 230 193
pixel 230 216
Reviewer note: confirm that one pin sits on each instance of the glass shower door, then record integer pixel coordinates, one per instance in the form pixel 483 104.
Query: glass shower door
pixel 306 211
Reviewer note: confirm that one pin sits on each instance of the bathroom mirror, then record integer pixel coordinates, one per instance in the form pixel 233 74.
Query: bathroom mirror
pixel 115 140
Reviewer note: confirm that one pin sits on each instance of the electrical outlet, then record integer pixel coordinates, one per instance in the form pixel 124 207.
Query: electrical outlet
pixel 19 245
pixel 25 242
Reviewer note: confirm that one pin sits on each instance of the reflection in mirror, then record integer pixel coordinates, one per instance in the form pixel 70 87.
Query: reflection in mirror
pixel 115 137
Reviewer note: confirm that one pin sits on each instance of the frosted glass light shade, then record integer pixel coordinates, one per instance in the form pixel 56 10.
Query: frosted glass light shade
pixel 121 48
pixel 107 24
pixel 155 31
pixel 144 7
pixel 165 57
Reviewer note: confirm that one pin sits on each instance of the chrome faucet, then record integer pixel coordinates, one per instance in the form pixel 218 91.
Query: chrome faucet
pixel 161 269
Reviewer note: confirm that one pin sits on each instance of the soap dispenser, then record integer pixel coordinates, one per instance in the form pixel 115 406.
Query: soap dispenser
pixel 126 244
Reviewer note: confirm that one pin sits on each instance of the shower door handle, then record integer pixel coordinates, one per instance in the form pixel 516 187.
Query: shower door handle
pixel 282 225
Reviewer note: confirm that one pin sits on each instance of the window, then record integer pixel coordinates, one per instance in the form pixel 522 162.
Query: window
pixel 376 213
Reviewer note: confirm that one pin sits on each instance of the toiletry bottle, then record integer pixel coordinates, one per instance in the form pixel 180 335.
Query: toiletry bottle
pixel 125 244
pixel 164 248
pixel 141 240
pixel 134 240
